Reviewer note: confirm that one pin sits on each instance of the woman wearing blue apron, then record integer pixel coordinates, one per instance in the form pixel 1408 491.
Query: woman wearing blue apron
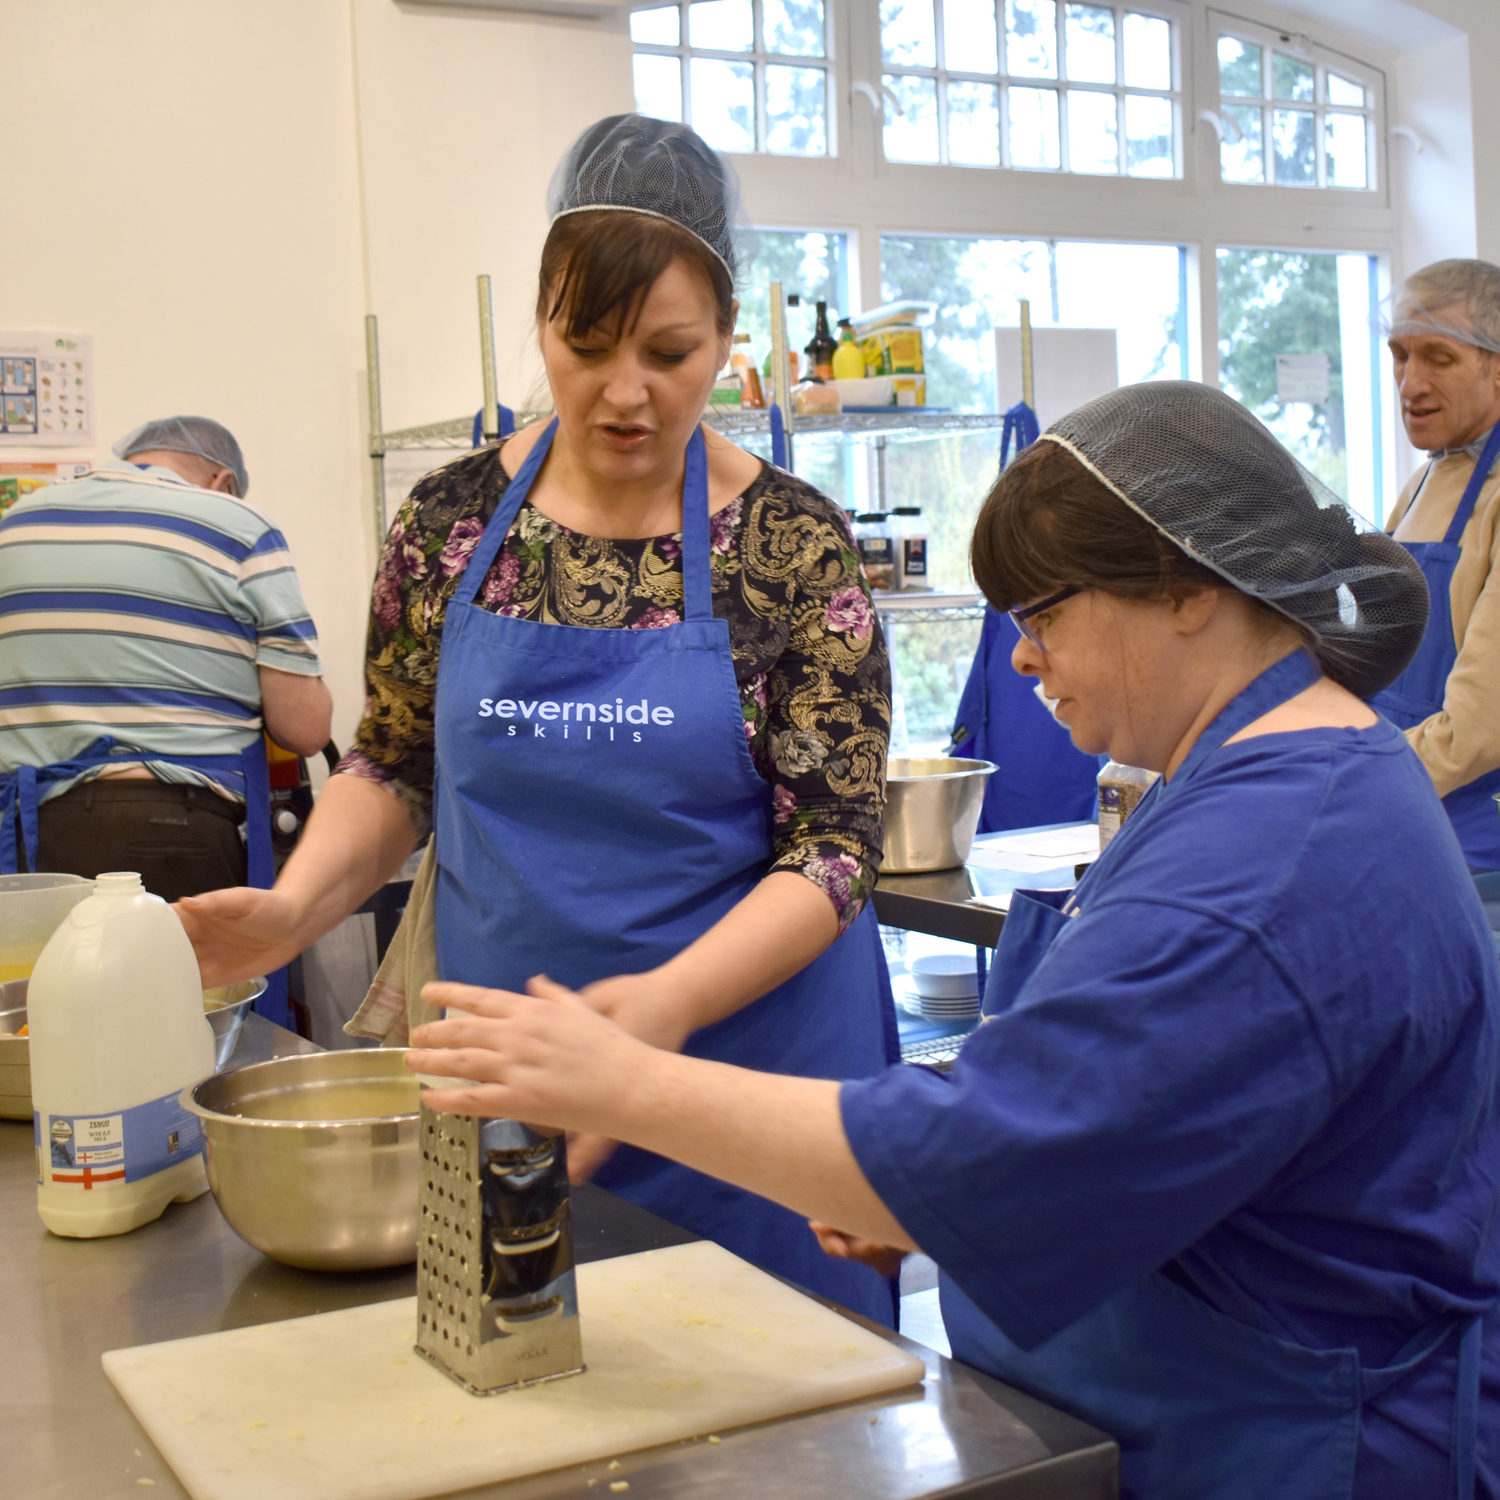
pixel 1419 691
pixel 635 675
pixel 1217 1171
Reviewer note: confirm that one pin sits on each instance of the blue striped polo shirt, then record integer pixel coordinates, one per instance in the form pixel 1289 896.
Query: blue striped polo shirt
pixel 136 605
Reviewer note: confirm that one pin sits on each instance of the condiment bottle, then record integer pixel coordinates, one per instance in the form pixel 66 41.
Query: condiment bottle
pixel 743 366
pixel 117 1030
pixel 910 540
pixel 820 347
pixel 1121 788
pixel 877 551
pixel 848 362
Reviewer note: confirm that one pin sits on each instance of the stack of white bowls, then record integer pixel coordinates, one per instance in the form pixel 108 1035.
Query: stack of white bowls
pixel 947 985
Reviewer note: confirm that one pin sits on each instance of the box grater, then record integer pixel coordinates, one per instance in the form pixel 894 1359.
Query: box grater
pixel 497 1303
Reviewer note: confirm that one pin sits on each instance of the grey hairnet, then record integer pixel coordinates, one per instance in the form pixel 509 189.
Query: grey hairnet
pixel 1458 299
pixel 652 167
pixel 1208 476
pixel 200 435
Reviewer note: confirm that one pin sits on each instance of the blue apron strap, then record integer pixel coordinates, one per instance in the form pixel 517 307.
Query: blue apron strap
pixel 778 436
pixel 27 807
pixel 1471 490
pixel 697 564
pixel 483 557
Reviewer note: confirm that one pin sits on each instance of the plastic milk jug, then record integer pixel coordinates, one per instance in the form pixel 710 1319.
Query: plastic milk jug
pixel 115 1011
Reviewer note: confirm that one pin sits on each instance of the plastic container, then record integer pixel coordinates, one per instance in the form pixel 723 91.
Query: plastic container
pixel 31 906
pixel 848 362
pixel 1121 788
pixel 909 535
pixel 877 550
pixel 742 365
pixel 117 1032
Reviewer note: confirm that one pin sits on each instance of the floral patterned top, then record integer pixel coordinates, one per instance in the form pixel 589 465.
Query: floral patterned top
pixel 809 657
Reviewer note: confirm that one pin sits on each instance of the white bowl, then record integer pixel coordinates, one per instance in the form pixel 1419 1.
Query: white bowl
pixel 945 976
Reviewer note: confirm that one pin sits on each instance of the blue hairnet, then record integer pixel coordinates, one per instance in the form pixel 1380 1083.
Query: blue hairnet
pixel 200 435
pixel 652 167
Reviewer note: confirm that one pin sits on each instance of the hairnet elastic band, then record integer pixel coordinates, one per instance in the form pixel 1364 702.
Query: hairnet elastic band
pixel 650 213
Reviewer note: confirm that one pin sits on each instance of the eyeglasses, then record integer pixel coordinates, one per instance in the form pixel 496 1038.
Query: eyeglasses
pixel 1022 617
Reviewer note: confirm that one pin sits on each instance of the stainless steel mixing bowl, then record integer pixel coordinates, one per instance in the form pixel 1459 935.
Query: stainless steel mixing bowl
pixel 225 1007
pixel 313 1159
pixel 932 809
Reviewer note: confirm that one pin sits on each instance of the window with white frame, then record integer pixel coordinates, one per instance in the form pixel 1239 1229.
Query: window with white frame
pixel 1042 85
pixel 1294 114
pixel 747 75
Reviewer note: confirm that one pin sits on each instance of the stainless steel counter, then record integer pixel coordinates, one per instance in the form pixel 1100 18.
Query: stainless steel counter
pixel 68 1436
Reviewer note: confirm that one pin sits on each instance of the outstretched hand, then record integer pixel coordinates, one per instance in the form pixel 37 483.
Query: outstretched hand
pixel 239 933
pixel 547 1057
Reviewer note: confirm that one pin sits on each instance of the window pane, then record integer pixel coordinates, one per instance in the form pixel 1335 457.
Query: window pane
pixel 1031 38
pixel 724 103
pixel 1150 322
pixel 1242 160
pixel 1034 139
pixel 1344 143
pixel 1148 136
pixel 970 42
pixel 1293 302
pixel 1293 148
pixel 796 111
pixel 974 124
pixel 1090 36
pixel 1345 91
pixel 1291 78
pixel 1093 144
pixel 1148 52
pixel 913 134
pixel 658 86
pixel 907 34
pixel 660 26
pixel 1239 68
pixel 794 27
pixel 723 25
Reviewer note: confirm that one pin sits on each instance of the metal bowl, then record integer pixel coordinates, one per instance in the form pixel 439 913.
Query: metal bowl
pixel 313 1159
pixel 225 1008
pixel 931 811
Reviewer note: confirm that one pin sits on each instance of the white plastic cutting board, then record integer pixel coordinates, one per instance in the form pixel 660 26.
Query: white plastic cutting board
pixel 679 1343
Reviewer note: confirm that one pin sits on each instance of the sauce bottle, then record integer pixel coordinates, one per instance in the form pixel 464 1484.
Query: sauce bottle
pixel 848 362
pixel 820 347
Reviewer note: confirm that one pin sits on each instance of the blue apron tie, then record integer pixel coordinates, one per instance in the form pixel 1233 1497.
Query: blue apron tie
pixel 1419 691
pixel 596 811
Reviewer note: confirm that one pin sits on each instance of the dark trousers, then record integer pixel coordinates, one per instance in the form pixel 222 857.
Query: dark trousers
pixel 181 840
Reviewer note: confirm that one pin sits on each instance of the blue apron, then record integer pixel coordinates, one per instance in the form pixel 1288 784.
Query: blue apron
pixel 1044 777
pixel 596 811
pixel 1418 692
pixel 20 802
pixel 1200 1403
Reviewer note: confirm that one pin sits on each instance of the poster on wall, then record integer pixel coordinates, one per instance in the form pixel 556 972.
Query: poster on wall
pixel 17 480
pixel 46 389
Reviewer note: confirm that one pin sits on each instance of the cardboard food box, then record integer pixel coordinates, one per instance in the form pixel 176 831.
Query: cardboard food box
pixel 893 351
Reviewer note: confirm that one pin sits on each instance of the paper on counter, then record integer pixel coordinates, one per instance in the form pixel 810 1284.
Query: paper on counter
pixel 1045 849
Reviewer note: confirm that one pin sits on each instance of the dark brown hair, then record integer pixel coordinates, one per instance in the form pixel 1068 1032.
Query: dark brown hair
pixel 599 265
pixel 1048 523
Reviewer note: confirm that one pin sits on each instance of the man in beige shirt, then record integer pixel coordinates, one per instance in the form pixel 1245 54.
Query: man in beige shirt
pixel 1445 346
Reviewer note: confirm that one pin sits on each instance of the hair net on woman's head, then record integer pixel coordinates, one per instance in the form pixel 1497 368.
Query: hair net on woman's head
pixel 650 167
pixel 1456 299
pixel 200 435
pixel 1207 475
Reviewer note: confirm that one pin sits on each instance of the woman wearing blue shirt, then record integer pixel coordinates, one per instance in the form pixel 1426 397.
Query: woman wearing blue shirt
pixel 1221 1171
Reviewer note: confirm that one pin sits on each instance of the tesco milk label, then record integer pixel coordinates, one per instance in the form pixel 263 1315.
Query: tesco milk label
pixel 92 1151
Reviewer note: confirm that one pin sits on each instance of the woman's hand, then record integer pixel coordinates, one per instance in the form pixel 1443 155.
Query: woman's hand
pixel 240 932
pixel 547 1057
pixel 886 1259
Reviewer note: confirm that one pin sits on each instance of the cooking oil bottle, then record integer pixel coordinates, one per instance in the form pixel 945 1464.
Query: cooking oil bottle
pixel 117 1031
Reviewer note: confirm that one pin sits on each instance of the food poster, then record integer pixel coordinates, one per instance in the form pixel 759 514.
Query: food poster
pixel 46 389
pixel 20 479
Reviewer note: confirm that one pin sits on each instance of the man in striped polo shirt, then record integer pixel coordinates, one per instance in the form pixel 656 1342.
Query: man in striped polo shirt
pixel 151 624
